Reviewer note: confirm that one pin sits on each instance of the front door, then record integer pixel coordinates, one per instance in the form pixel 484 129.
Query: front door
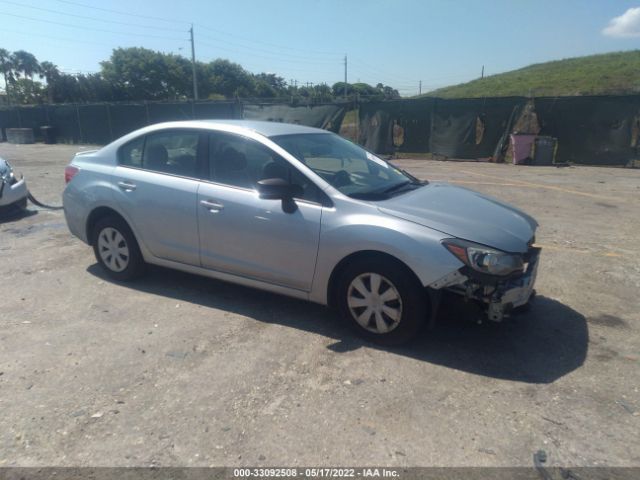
pixel 245 235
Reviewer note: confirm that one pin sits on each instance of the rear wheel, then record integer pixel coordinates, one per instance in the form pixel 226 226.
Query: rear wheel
pixel 382 300
pixel 116 249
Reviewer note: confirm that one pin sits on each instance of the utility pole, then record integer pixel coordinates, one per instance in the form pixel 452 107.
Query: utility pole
pixel 193 65
pixel 345 76
pixel 482 74
pixel 420 88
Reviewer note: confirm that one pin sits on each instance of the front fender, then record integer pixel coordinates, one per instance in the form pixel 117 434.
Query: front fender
pixel 416 246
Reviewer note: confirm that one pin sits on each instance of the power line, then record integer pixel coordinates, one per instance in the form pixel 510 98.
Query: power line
pixel 283 47
pixel 91 28
pixel 396 79
pixel 206 27
pixel 85 17
pixel 301 58
pixel 62 39
pixel 285 56
pixel 380 71
pixel 251 65
pixel 275 55
pixel 259 55
pixel 237 48
pixel 120 12
pixel 73 71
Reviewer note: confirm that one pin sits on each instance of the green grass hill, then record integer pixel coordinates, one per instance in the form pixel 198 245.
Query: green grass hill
pixel 609 73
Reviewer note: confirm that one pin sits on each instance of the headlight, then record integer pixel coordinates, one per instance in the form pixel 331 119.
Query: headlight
pixel 6 172
pixel 484 259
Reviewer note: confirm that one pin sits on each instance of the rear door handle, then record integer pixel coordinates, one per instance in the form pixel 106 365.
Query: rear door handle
pixel 211 205
pixel 127 186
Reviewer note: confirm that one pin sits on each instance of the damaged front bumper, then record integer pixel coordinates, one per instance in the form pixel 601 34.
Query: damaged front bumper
pixel 499 296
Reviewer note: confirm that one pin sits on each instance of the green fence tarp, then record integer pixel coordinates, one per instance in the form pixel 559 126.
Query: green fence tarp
pixel 103 123
pixel 169 112
pixel 328 117
pixel 218 110
pixel 591 130
pixel 95 124
pixel 65 119
pixel 599 130
pixel 377 120
pixel 33 117
pixel 470 127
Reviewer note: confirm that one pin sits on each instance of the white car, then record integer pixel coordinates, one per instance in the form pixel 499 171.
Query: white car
pixel 13 191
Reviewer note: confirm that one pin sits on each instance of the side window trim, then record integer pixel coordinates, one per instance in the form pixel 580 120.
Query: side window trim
pixel 203 160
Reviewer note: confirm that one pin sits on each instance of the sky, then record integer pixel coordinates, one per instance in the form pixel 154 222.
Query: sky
pixel 395 42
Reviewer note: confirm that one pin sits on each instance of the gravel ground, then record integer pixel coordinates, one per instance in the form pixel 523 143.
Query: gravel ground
pixel 181 370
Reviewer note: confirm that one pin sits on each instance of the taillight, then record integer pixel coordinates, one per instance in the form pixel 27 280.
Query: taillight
pixel 69 172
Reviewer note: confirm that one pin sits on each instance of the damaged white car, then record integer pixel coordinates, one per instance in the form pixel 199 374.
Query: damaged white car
pixel 301 212
pixel 13 191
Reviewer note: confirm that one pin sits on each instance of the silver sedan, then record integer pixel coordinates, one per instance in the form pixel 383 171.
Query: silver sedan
pixel 301 212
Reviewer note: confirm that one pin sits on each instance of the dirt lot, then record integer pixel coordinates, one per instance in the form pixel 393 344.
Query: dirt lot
pixel 180 370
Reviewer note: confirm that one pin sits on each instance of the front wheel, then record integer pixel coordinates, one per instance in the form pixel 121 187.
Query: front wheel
pixel 116 249
pixel 382 300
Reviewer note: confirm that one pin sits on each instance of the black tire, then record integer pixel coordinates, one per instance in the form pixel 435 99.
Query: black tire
pixel 22 204
pixel 413 299
pixel 119 269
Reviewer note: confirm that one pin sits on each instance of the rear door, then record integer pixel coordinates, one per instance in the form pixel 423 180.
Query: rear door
pixel 157 185
pixel 242 234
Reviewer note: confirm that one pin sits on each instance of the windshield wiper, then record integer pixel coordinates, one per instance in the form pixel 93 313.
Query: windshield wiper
pixel 413 179
pixel 397 186
pixel 400 186
pixel 368 195
pixel 386 192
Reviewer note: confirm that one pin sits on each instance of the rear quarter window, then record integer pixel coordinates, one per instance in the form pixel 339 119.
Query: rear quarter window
pixel 130 154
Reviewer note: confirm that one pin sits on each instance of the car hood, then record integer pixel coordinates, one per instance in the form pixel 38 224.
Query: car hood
pixel 464 214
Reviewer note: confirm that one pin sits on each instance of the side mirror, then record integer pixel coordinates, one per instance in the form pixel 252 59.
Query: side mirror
pixel 278 189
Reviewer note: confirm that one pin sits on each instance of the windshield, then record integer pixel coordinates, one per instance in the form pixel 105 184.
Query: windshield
pixel 349 168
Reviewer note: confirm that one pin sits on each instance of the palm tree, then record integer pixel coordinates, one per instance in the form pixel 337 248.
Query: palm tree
pixel 50 73
pixel 25 63
pixel 6 67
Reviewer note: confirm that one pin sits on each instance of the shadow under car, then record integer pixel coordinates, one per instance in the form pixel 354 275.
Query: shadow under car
pixel 540 345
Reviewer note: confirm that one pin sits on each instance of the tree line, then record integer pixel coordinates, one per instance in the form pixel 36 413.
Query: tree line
pixel 135 74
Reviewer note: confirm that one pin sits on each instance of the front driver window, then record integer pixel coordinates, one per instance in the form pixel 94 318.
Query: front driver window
pixel 242 162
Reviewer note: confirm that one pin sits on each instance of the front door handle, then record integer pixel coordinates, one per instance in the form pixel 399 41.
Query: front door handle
pixel 212 206
pixel 127 186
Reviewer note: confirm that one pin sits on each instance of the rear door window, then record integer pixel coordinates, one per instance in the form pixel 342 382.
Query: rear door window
pixel 172 151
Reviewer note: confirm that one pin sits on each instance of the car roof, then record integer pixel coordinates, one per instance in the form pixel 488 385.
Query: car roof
pixel 267 129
